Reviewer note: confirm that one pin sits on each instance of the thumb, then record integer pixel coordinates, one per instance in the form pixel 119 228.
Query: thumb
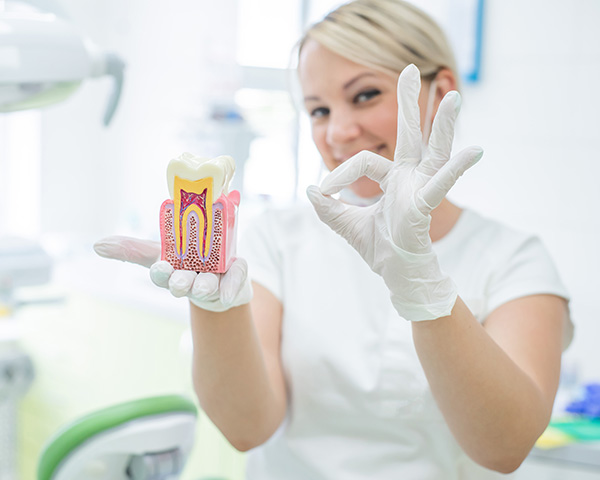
pixel 129 249
pixel 233 281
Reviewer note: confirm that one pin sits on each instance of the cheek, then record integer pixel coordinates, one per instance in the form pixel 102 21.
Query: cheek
pixel 391 128
pixel 319 136
pixel 386 126
pixel 383 121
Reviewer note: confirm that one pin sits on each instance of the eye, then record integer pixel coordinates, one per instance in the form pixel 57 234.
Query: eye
pixel 366 95
pixel 319 112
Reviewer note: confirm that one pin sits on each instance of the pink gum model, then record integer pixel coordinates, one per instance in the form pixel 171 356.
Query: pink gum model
pixel 221 240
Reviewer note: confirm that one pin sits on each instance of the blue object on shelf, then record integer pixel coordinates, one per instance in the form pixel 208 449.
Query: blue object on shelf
pixel 589 405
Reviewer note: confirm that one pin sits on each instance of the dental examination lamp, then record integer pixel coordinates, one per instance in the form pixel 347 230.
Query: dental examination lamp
pixel 44 58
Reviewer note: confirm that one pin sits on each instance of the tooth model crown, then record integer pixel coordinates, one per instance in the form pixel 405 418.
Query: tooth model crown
pixel 198 223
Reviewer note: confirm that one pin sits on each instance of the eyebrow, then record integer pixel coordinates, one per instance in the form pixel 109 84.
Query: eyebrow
pixel 347 85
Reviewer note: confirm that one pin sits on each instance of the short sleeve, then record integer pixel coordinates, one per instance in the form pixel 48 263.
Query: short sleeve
pixel 527 269
pixel 258 245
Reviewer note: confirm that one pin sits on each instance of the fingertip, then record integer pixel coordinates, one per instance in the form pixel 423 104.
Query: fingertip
pixel 241 265
pixel 319 196
pixel 181 281
pixel 456 99
pixel 160 273
pixel 226 298
pixel 465 159
pixel 329 186
pixel 313 193
pixel 411 71
pixel 409 81
pixel 476 154
pixel 109 247
pixel 451 103
pixel 229 290
pixel 101 248
pixel 205 284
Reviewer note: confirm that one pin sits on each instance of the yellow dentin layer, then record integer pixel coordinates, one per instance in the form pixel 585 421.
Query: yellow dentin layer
pixel 193 196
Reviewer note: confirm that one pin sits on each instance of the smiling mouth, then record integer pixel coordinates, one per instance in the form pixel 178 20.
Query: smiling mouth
pixel 378 149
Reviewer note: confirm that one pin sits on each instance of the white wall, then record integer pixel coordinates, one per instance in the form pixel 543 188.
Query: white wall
pixel 534 111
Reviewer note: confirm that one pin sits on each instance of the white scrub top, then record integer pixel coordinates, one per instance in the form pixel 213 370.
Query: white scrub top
pixel 359 403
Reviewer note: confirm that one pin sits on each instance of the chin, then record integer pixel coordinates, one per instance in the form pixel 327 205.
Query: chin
pixel 366 188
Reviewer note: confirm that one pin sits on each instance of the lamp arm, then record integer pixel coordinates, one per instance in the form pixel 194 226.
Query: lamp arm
pixel 115 67
pixel 51 6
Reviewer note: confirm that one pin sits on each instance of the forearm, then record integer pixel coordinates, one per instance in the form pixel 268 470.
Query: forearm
pixel 231 377
pixel 493 408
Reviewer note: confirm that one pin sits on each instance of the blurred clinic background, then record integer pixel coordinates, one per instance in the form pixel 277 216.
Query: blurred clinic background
pixel 79 333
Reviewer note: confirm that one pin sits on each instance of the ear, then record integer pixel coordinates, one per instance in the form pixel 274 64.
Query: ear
pixel 445 82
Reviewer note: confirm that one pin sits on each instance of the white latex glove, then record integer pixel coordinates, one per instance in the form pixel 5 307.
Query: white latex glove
pixel 209 291
pixel 393 234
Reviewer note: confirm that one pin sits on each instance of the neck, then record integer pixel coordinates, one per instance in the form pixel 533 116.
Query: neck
pixel 443 218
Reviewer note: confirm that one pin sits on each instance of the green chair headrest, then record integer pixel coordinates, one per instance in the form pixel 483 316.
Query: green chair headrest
pixel 74 434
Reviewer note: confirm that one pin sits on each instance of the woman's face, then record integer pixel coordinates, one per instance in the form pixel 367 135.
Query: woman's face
pixel 351 108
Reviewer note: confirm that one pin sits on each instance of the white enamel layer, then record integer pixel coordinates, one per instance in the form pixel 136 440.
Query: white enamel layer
pixel 191 167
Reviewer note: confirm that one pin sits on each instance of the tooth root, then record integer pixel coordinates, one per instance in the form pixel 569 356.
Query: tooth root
pixel 193 196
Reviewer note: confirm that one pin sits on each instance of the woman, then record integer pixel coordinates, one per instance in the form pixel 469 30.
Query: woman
pixel 318 373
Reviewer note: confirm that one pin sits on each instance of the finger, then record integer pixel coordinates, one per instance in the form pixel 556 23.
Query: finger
pixel 362 164
pixel 440 184
pixel 328 209
pixel 181 281
pixel 129 249
pixel 205 285
pixel 340 217
pixel 408 142
pixel 160 273
pixel 442 135
pixel 233 281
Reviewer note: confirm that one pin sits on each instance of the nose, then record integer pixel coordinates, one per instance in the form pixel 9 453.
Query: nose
pixel 342 127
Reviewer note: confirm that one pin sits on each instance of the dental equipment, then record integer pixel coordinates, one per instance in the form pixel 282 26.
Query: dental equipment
pixel 16 375
pixel 145 439
pixel 44 59
pixel 22 263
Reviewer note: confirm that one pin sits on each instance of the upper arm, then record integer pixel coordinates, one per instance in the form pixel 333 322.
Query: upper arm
pixel 267 314
pixel 531 331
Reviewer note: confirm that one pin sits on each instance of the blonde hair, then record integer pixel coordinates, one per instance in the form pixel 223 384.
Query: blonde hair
pixel 386 35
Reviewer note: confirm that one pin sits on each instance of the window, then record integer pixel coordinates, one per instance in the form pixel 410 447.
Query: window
pixel 282 161
pixel 20 172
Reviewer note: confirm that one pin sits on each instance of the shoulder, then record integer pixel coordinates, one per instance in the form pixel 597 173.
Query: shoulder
pixel 495 263
pixel 482 228
pixel 478 236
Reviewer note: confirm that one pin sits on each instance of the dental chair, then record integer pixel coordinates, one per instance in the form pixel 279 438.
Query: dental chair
pixel 147 439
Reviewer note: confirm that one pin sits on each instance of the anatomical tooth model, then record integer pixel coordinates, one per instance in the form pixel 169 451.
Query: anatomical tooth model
pixel 198 224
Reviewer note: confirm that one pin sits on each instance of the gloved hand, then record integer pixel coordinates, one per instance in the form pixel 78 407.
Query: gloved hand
pixel 392 235
pixel 209 291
